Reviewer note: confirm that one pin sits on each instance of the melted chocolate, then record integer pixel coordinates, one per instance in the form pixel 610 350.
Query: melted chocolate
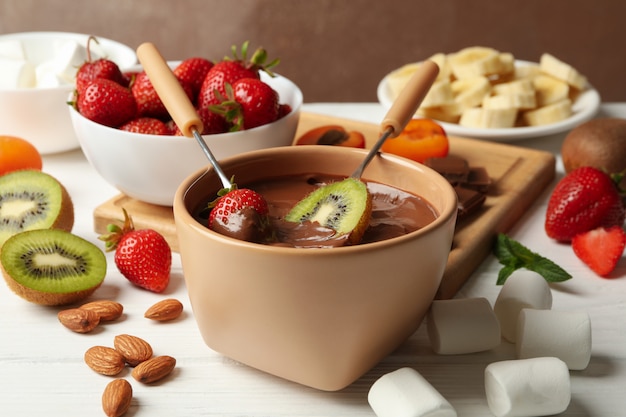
pixel 394 213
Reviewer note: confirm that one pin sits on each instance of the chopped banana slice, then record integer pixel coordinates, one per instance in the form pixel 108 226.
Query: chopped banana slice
pixel 551 65
pixel 470 92
pixel 549 114
pixel 549 89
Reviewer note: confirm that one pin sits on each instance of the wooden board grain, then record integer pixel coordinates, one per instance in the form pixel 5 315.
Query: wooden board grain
pixel 519 175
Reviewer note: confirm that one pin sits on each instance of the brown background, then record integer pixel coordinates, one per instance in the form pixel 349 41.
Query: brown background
pixel 338 50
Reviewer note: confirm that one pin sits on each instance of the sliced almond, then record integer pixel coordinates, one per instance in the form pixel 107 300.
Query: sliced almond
pixel 79 320
pixel 116 398
pixel 168 309
pixel 104 360
pixel 154 369
pixel 134 349
pixel 106 309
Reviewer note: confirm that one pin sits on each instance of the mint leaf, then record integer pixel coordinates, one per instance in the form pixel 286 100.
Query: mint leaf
pixel 513 255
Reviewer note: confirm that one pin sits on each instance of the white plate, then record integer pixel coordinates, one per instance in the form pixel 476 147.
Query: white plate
pixel 584 108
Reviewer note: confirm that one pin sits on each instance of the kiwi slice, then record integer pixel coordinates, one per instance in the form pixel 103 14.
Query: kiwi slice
pixel 51 266
pixel 31 199
pixel 344 206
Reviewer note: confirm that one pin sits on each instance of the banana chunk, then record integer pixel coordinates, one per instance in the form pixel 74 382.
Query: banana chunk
pixel 550 90
pixel 551 65
pixel 470 92
pixel 489 118
pixel 549 114
pixel 475 61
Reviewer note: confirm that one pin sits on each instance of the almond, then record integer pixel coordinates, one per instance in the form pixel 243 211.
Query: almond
pixel 168 309
pixel 107 310
pixel 154 369
pixel 116 397
pixel 104 360
pixel 78 320
pixel 134 349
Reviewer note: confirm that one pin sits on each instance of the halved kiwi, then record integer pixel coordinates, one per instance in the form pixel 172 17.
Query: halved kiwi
pixel 31 199
pixel 51 266
pixel 344 206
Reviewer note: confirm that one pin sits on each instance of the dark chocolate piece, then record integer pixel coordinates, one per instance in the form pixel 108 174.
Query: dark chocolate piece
pixel 453 168
pixel 468 201
pixel 478 179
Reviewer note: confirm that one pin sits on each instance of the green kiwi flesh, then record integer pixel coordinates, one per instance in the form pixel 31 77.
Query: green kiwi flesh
pixel 344 206
pixel 51 266
pixel 31 199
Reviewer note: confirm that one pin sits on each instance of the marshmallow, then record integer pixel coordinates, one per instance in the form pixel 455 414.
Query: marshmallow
pixel 68 57
pixel 16 74
pixel 12 49
pixel 527 387
pixel 464 325
pixel 522 289
pixel 405 393
pixel 562 334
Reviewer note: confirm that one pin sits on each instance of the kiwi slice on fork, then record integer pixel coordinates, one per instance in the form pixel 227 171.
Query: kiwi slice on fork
pixel 344 206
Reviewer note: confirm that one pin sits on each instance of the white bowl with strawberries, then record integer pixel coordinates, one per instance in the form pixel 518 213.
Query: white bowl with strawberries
pixel 37 71
pixel 129 138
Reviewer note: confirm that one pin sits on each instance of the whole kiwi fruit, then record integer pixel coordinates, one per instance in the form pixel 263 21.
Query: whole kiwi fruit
pixel 600 143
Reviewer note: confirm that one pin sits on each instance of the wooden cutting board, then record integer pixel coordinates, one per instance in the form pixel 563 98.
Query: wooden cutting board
pixel 519 175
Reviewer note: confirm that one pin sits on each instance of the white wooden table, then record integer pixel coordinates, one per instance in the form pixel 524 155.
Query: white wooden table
pixel 42 370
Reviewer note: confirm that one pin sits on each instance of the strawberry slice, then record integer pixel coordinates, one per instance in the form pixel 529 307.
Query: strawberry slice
pixel 600 248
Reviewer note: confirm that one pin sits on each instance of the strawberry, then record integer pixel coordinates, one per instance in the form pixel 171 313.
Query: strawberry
pixel 100 68
pixel 249 103
pixel 142 256
pixel 192 71
pixel 240 213
pixel 106 102
pixel 600 248
pixel 583 200
pixel 146 125
pixel 214 83
pixel 230 70
pixel 233 200
pixel 283 110
pixel 149 103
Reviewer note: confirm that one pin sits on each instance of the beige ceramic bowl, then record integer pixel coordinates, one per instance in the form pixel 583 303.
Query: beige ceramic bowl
pixel 319 317
pixel 39 114
pixel 150 168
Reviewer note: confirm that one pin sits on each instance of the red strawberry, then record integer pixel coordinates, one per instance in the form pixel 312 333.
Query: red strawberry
pixel 216 79
pixel 106 102
pixel 192 71
pixel 283 110
pixel 146 125
pixel 583 200
pixel 142 256
pixel 259 102
pixel 236 207
pixel 600 248
pixel 230 70
pixel 149 103
pixel 100 68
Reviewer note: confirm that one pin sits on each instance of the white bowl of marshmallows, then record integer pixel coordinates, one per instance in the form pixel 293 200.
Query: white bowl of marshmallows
pixel 37 75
